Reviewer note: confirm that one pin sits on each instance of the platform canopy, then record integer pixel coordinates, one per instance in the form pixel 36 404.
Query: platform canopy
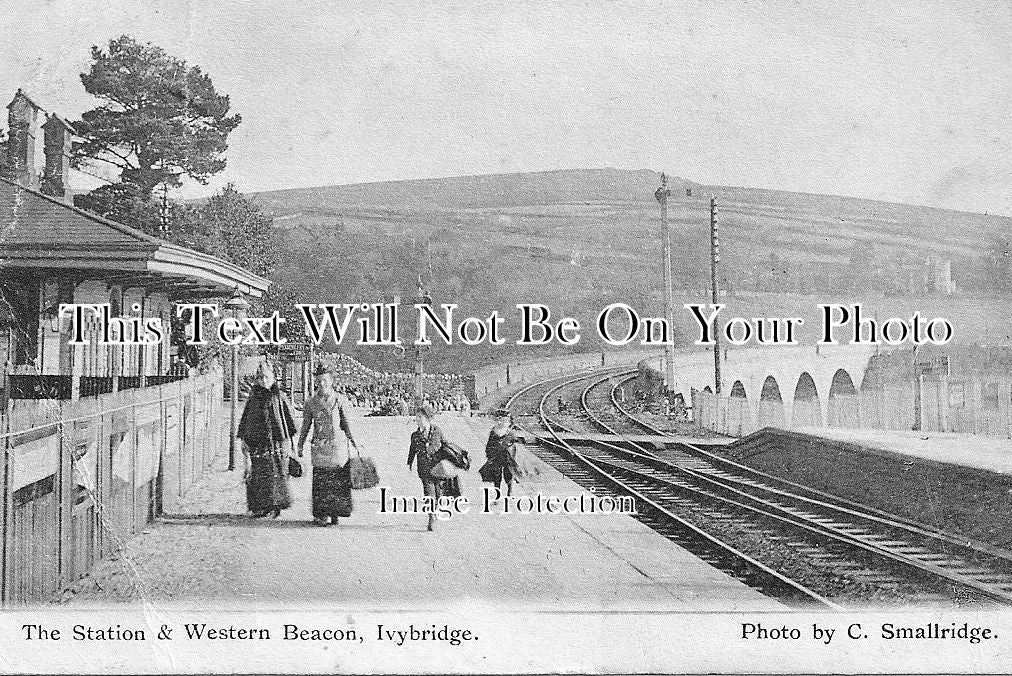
pixel 44 235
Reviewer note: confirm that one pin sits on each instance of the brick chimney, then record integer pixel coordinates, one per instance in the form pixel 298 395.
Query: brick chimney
pixel 56 143
pixel 22 123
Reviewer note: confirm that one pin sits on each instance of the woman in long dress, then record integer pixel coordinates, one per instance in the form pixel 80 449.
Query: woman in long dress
pixel 267 428
pixel 501 462
pixel 324 413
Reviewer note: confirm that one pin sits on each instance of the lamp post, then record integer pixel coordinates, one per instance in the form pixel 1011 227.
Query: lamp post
pixel 422 297
pixel 237 307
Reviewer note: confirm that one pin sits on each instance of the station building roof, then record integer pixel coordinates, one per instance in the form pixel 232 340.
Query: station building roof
pixel 47 236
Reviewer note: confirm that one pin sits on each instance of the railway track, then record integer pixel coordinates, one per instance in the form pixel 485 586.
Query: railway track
pixel 712 549
pixel 800 545
pixel 982 567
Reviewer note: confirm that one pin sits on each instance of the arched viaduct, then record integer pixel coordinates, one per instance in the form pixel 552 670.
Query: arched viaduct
pixel 781 386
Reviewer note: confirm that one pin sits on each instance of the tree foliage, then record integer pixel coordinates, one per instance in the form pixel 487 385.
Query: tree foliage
pixel 160 118
pixel 232 226
pixel 122 202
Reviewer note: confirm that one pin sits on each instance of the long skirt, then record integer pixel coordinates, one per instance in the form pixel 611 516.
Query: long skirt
pixel 509 467
pixel 331 492
pixel 495 471
pixel 267 485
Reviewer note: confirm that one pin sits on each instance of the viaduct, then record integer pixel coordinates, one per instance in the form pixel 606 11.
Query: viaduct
pixel 777 386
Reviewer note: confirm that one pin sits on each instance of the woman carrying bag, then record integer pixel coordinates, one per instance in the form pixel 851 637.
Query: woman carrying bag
pixel 324 413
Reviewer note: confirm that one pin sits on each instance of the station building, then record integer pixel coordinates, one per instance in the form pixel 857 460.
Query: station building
pixel 97 439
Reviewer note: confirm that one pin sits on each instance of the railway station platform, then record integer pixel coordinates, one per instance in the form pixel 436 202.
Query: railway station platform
pixel 987 453
pixel 209 552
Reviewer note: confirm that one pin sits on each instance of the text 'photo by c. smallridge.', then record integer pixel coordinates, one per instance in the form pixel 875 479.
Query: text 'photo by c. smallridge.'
pixel 481 337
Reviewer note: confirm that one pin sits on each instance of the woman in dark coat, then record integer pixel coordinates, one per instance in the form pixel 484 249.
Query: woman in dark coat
pixel 501 454
pixel 426 442
pixel 266 429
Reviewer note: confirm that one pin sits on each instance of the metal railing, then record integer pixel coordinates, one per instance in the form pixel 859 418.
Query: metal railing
pixel 63 387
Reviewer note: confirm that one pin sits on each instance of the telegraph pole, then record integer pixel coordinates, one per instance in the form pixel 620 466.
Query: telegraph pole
pixel 662 195
pixel 714 260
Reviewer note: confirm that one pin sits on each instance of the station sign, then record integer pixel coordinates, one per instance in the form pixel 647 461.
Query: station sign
pixel 294 351
pixel 936 366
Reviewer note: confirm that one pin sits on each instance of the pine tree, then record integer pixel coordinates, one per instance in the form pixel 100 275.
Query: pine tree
pixel 160 120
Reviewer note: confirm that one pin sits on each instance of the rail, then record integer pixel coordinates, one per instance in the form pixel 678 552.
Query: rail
pixel 981 567
pixel 710 547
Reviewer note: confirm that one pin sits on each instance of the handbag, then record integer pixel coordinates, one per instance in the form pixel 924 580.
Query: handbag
pixel 294 468
pixel 363 472
pixel 457 455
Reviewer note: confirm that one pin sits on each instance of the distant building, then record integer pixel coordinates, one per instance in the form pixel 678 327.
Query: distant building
pixel 943 277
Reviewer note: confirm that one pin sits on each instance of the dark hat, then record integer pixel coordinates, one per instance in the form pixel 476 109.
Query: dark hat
pixel 426 411
pixel 322 369
pixel 502 413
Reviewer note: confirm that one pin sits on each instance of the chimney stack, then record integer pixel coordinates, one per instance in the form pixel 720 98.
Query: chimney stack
pixel 22 121
pixel 56 142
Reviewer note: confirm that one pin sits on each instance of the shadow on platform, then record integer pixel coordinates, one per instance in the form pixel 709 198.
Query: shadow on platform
pixel 245 521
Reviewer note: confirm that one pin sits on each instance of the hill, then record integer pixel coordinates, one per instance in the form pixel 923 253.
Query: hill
pixel 577 240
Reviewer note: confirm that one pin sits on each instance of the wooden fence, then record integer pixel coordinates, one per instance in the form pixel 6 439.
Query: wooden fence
pixel 82 476
pixel 981 406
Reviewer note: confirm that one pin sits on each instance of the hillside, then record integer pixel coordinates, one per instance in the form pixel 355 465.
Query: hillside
pixel 580 239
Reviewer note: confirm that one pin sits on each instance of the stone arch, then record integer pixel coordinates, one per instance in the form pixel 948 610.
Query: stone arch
pixel 705 408
pixel 843 384
pixel 807 411
pixel 844 408
pixel 771 404
pixel 739 413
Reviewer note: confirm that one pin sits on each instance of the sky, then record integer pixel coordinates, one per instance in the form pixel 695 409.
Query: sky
pixel 899 101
